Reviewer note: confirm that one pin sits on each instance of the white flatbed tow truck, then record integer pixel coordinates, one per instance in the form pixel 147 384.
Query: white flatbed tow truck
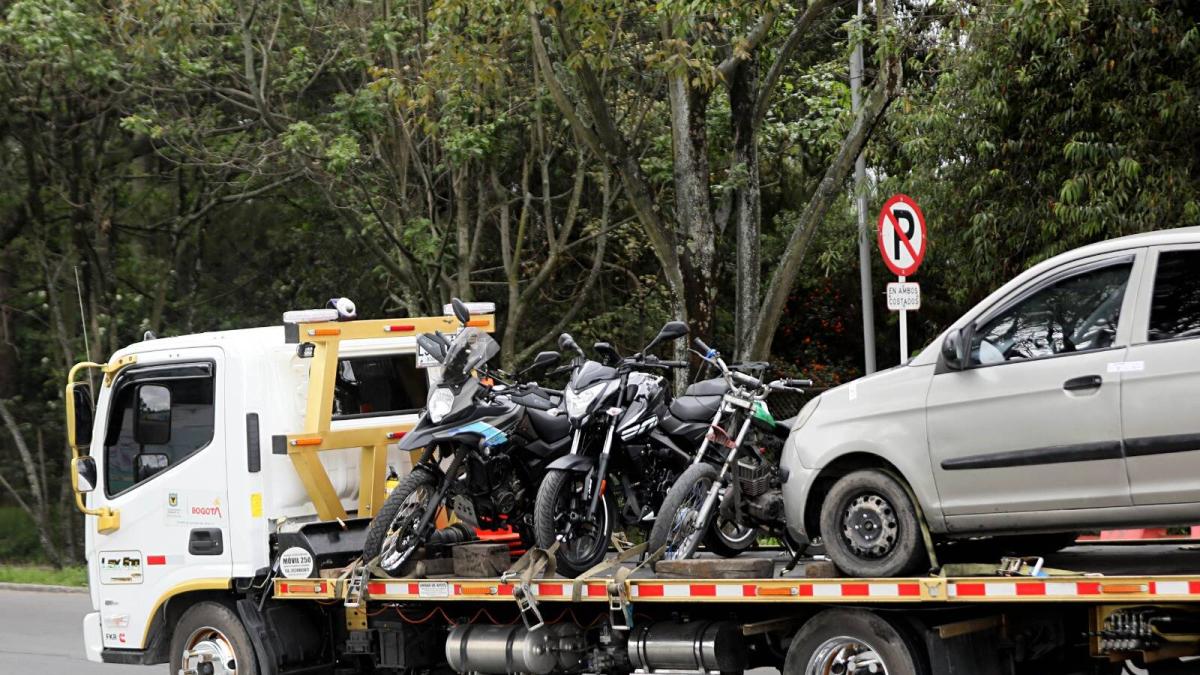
pixel 228 479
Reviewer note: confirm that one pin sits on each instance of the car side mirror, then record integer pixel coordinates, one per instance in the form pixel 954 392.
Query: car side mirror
pixel 460 311
pixel 954 353
pixel 80 413
pixel 152 417
pixel 85 473
pixel 147 464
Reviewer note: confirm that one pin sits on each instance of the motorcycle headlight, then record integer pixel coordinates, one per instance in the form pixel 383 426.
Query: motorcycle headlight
pixel 578 401
pixel 440 404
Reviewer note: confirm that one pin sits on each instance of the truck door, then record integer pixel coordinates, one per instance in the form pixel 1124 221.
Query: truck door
pixel 1033 421
pixel 161 461
pixel 1161 380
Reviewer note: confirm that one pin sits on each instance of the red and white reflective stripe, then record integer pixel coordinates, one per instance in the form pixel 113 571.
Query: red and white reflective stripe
pixel 155 560
pixel 1109 586
pixel 800 590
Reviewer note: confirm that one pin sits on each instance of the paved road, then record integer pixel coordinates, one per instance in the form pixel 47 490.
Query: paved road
pixel 42 634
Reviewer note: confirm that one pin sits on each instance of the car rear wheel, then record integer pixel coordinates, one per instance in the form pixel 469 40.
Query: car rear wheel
pixel 870 526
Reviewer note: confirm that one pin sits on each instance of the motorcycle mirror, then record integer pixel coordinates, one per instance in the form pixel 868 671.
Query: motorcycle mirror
pixel 432 346
pixel 608 353
pixel 672 330
pixel 567 343
pixel 460 311
pixel 541 361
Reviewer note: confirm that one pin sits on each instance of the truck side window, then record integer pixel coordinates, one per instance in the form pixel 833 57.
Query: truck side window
pixel 371 386
pixel 127 462
pixel 1076 314
pixel 1175 307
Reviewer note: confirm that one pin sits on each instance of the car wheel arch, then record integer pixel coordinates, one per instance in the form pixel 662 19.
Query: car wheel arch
pixel 835 469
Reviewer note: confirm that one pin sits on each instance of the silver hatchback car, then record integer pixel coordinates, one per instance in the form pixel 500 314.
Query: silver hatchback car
pixel 1067 400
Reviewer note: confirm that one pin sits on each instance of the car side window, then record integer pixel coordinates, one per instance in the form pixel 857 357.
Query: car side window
pixel 159 417
pixel 1175 306
pixel 1076 314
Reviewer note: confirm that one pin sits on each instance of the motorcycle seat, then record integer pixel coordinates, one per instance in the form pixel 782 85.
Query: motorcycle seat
pixel 549 427
pixel 712 387
pixel 695 408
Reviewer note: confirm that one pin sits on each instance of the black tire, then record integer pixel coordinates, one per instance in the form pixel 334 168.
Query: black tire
pixel 385 522
pixel 675 526
pixel 559 497
pixel 718 540
pixel 213 628
pixel 870 527
pixel 854 631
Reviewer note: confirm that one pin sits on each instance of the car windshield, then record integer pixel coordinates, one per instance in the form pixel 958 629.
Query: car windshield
pixel 470 349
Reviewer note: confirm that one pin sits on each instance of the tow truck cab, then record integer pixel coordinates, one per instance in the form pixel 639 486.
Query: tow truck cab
pixel 212 458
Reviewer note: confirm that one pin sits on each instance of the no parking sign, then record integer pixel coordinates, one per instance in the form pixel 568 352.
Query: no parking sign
pixel 902 239
pixel 902 235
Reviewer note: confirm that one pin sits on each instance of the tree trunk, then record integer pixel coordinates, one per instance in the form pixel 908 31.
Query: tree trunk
pixel 695 225
pixel 743 93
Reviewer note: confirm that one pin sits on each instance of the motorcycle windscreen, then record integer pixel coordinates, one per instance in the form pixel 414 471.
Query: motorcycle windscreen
pixel 470 349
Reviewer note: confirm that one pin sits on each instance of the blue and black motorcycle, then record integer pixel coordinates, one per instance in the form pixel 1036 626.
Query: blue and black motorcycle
pixel 486 445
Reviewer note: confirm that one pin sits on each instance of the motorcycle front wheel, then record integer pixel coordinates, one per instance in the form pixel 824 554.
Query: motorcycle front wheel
pixel 393 535
pixel 561 512
pixel 677 529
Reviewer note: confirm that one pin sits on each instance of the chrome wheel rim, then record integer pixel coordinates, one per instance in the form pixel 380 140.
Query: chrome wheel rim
pixel 402 538
pixel 684 535
pixel 734 535
pixel 208 651
pixel 870 526
pixel 845 655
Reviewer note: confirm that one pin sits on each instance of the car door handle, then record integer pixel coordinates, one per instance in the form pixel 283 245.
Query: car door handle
pixel 206 541
pixel 1083 383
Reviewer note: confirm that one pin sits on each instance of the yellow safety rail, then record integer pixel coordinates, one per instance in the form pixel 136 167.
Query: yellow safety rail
pixel 318 436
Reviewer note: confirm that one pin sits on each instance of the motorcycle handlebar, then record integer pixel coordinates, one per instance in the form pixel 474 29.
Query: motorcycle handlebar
pixel 701 346
pixel 745 380
pixel 797 383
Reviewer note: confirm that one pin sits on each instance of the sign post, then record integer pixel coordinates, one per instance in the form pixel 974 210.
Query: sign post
pixel 902 239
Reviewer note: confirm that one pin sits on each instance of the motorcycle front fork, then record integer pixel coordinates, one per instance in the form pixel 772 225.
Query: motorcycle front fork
pixel 714 492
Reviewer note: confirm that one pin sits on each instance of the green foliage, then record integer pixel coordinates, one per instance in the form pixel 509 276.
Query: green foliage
pixel 73 575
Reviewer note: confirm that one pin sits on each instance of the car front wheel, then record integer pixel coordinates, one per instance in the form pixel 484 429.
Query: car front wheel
pixel 870 526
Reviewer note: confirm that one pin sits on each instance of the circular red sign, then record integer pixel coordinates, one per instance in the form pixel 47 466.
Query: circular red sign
pixel 902 235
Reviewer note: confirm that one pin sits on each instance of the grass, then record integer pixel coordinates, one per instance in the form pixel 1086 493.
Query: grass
pixel 71 575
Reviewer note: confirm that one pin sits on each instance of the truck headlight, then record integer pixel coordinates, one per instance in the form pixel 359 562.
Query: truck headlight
pixel 440 404
pixel 578 401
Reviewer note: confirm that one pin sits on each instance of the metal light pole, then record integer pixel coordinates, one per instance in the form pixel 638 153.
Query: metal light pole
pixel 860 198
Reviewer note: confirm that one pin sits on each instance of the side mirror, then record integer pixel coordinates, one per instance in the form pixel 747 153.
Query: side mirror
pixel 608 353
pixel 566 343
pixel 545 359
pixel 460 311
pixel 954 349
pixel 85 474
pixel 152 417
pixel 432 346
pixel 80 413
pixel 673 330
pixel 147 464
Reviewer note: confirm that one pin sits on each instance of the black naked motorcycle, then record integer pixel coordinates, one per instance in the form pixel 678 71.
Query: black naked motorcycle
pixel 486 442
pixel 614 407
pixel 731 491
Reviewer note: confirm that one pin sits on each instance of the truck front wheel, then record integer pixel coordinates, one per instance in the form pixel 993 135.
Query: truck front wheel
pixel 852 642
pixel 210 638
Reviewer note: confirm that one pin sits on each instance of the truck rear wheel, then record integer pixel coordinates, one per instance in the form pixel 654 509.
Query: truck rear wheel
pixel 852 642
pixel 210 638
pixel 870 526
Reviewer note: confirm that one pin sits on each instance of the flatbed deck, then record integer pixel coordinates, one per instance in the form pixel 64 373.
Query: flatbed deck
pixel 1100 574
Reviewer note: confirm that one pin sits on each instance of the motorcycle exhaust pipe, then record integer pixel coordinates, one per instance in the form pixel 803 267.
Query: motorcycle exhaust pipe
pixel 707 646
pixel 514 649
